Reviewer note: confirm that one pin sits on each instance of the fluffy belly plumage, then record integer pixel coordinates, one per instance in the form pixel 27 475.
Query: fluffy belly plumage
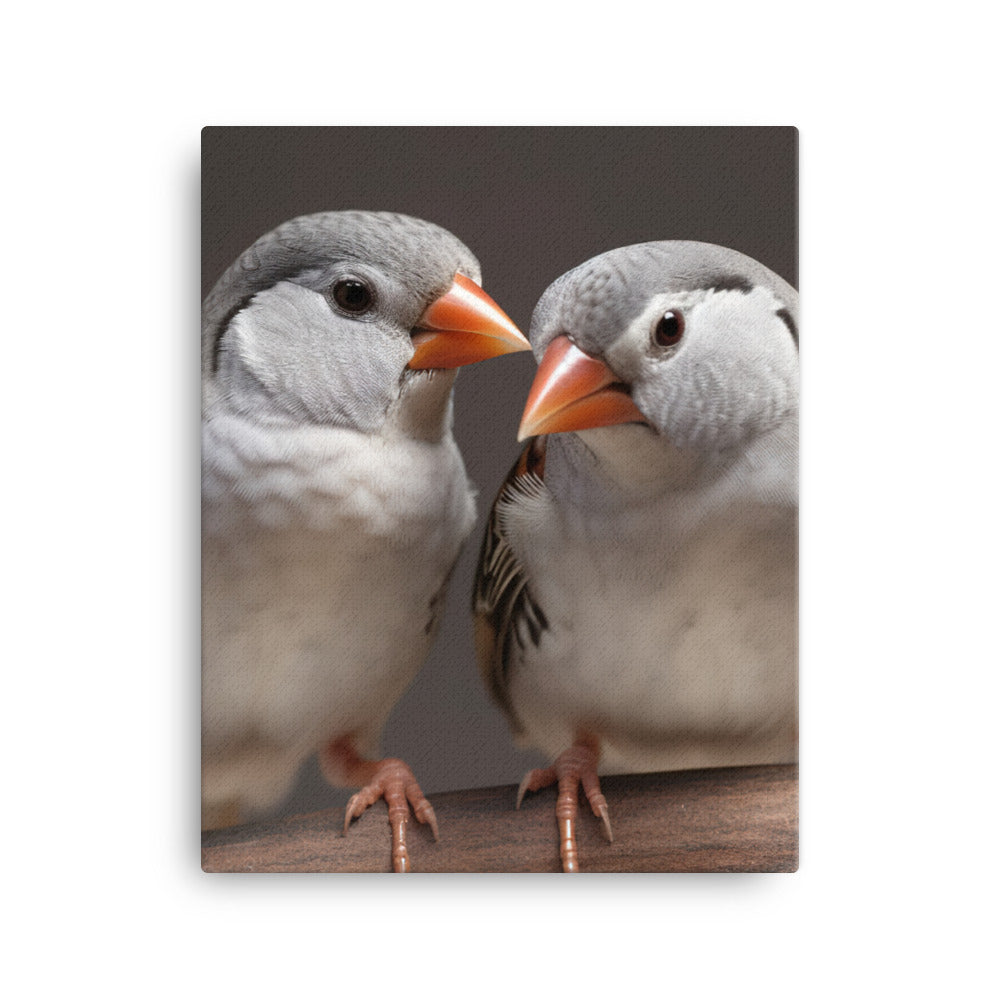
pixel 308 636
pixel 688 664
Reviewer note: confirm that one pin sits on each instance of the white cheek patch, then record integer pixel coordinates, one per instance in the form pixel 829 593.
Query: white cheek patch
pixel 260 334
pixel 734 311
pixel 703 310
pixel 733 375
pixel 311 364
pixel 630 353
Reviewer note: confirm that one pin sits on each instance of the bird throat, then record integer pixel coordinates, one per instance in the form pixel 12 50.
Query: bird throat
pixel 422 410
pixel 639 461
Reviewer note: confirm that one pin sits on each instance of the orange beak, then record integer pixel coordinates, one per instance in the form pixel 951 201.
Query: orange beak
pixel 463 326
pixel 573 391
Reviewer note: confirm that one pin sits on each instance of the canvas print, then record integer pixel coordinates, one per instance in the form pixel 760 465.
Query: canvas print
pixel 499 500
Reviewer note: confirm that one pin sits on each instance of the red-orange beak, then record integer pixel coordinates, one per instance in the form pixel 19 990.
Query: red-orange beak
pixel 463 326
pixel 573 391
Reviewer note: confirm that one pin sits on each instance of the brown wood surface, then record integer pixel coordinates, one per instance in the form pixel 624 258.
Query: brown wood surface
pixel 741 819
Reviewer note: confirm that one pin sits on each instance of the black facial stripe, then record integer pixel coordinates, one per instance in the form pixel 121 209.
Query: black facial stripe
pixel 220 330
pixel 729 283
pixel 736 283
pixel 786 317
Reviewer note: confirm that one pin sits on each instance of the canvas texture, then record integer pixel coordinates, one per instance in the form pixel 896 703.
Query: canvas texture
pixel 581 668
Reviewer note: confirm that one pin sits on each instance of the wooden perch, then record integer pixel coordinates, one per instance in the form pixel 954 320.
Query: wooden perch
pixel 740 819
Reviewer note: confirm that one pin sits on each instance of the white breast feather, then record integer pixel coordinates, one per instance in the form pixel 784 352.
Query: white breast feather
pixel 323 549
pixel 672 627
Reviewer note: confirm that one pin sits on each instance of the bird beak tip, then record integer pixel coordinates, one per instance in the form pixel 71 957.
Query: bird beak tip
pixel 573 391
pixel 464 326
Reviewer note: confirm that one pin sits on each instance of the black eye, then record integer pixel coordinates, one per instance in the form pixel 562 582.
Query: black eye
pixel 352 295
pixel 669 329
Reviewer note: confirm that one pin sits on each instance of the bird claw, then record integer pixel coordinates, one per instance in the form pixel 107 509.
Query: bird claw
pixel 533 781
pixel 522 788
pixel 393 781
pixel 606 820
pixel 424 812
pixel 573 767
pixel 353 810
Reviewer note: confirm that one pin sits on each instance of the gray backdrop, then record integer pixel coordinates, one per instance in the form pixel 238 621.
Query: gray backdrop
pixel 530 203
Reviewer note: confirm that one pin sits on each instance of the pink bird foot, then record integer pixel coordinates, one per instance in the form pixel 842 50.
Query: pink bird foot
pixel 390 779
pixel 573 767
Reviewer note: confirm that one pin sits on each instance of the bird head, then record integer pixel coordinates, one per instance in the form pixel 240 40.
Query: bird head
pixel 326 318
pixel 689 341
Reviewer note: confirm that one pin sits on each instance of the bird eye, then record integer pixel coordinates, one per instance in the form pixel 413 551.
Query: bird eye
pixel 669 329
pixel 352 295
